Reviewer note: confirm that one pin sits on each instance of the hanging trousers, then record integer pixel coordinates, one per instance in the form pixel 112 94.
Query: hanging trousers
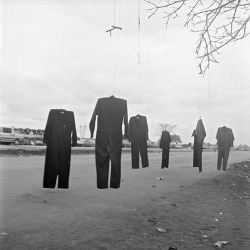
pixel 197 155
pixel 165 157
pixel 108 148
pixel 223 154
pixel 139 145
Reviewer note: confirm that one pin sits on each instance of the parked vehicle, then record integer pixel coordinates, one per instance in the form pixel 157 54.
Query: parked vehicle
pixel 85 142
pixel 151 144
pixel 89 143
pixel 9 135
pixel 126 143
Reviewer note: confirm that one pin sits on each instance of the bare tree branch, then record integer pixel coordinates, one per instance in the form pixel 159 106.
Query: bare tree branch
pixel 160 127
pixel 217 22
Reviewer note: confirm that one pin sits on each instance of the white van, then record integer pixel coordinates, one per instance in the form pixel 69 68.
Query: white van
pixel 8 135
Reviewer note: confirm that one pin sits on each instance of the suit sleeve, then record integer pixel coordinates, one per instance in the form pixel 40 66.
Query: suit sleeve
pixel 232 139
pixel 129 129
pixel 218 136
pixel 126 121
pixel 160 144
pixel 47 130
pixel 146 128
pixel 74 134
pixel 92 121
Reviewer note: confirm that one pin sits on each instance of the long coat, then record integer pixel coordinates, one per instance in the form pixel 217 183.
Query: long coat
pixel 138 136
pixel 111 112
pixel 164 144
pixel 59 135
pixel 199 135
pixel 225 140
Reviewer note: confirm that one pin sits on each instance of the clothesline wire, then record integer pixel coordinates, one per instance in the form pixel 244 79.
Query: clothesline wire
pixel 114 10
pixel 138 56
pixel 117 42
pixel 62 59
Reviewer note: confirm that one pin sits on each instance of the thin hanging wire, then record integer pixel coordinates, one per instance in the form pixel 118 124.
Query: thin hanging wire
pixel 114 10
pixel 117 42
pixel 208 87
pixel 63 42
pixel 149 31
pixel 139 27
pixel 198 98
pixel 139 54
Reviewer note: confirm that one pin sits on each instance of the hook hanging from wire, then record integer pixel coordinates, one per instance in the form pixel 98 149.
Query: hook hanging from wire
pixel 113 27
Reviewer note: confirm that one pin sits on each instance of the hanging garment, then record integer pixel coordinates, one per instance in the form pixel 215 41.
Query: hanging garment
pixel 225 140
pixel 138 136
pixel 199 135
pixel 111 112
pixel 164 145
pixel 59 135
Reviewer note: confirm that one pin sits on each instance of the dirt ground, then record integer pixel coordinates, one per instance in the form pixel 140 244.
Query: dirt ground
pixel 195 209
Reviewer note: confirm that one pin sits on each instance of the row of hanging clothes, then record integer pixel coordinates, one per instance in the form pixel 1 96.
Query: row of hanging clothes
pixel 60 135
pixel 225 139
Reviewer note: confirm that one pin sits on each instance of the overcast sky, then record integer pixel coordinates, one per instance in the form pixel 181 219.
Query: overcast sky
pixel 57 54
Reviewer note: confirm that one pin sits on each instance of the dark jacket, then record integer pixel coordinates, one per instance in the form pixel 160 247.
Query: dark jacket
pixel 138 135
pixel 165 139
pixel 199 135
pixel 59 135
pixel 111 113
pixel 138 126
pixel 225 137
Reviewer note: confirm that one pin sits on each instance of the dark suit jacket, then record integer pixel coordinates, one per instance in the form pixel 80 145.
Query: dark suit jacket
pixel 111 113
pixel 165 139
pixel 200 131
pixel 59 135
pixel 138 126
pixel 224 137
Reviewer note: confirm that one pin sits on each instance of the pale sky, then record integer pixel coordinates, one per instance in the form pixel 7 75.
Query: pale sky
pixel 57 54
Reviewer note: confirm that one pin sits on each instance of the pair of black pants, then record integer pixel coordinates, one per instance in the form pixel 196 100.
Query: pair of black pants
pixel 57 166
pixel 223 152
pixel 108 147
pixel 139 145
pixel 165 157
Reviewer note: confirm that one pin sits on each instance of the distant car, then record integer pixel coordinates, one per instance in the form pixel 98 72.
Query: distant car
pixel 9 135
pixel 126 143
pixel 26 141
pixel 151 144
pixel 89 143
pixel 80 143
pixel 38 143
pixel 175 145
pixel 205 145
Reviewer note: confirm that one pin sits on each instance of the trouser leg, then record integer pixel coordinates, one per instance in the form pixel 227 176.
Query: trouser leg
pixel 167 157
pixel 163 159
pixel 50 169
pixel 220 154
pixel 64 166
pixel 225 158
pixel 143 152
pixel 102 160
pixel 135 154
pixel 115 150
pixel 200 149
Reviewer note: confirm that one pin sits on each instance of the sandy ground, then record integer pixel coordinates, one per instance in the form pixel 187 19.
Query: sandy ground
pixel 196 209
